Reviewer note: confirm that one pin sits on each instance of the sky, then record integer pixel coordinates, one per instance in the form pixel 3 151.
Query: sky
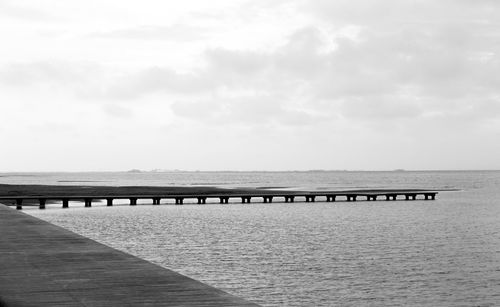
pixel 108 85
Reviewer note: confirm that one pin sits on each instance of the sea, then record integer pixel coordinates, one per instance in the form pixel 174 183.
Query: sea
pixel 444 252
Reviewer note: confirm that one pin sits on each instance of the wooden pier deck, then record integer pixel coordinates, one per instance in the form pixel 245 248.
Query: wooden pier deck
pixel 156 196
pixel 45 265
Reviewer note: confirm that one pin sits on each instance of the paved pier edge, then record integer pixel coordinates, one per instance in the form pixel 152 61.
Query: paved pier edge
pixel 42 264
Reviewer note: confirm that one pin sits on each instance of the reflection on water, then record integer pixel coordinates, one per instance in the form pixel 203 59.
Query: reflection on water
pixel 434 253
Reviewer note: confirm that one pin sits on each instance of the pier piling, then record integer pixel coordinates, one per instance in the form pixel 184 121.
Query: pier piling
pixel 310 199
pixel 429 196
pixel 330 198
pixel 202 200
pixel 19 204
pixel 267 197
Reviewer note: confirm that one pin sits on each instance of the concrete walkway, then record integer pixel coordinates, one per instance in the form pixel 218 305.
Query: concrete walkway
pixel 45 265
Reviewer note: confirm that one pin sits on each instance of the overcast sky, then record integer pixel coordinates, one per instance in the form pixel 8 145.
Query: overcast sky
pixel 249 85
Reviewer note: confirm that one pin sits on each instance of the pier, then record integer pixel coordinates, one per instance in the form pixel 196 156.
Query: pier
pixel 45 265
pixel 224 198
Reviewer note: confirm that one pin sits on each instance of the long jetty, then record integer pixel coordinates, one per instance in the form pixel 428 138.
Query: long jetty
pixel 45 265
pixel 200 196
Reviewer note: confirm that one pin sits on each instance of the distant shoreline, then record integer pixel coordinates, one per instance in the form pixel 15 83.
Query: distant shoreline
pixel 29 173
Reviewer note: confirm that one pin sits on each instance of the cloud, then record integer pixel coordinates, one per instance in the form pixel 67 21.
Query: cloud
pixel 246 110
pixel 175 32
pixel 48 72
pixel 118 111
pixel 156 80
pixel 8 9
pixel 380 73
pixel 381 14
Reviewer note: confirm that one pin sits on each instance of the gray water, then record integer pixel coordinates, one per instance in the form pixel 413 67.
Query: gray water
pixel 426 253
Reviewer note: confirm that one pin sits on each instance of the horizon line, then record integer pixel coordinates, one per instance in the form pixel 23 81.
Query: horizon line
pixel 138 171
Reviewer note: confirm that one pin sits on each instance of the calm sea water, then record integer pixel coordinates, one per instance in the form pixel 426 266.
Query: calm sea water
pixel 426 253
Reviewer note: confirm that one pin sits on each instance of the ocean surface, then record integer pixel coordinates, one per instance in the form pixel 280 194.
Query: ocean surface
pixel 414 253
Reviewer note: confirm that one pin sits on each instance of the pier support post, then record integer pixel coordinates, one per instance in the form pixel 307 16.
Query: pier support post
pixel 65 203
pixel 19 204
pixel 310 199
pixel 431 196
pixel 88 202
pixel 179 200
pixel 109 202
pixel 351 197
pixel 268 199
pixel 156 200
pixel 202 200
pixel 391 197
pixel 330 198
pixel 246 200
pixel 289 199
pixel 42 203
pixel 133 201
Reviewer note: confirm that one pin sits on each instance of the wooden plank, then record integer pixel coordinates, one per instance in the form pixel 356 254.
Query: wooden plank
pixel 45 265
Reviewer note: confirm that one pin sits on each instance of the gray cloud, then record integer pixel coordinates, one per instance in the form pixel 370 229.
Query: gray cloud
pixel 175 32
pixel 117 111
pixel 390 72
pixel 244 110
pixel 377 13
pixel 9 9
pixel 58 73
pixel 157 80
